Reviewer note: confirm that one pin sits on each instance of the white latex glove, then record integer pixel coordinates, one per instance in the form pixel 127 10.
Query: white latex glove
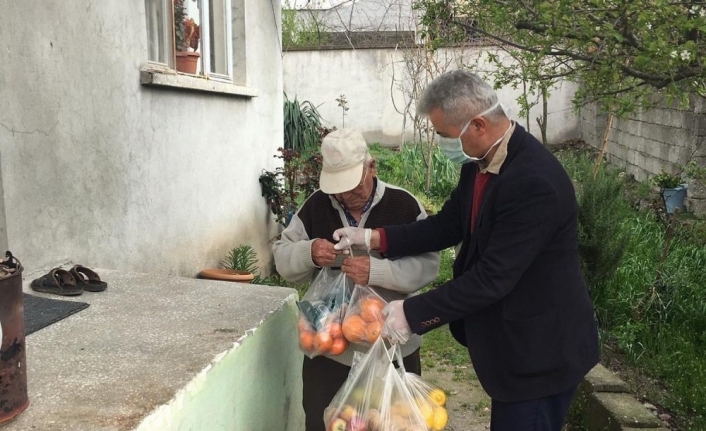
pixel 350 236
pixel 395 329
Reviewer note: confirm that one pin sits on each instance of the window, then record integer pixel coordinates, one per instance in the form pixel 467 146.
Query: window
pixel 191 36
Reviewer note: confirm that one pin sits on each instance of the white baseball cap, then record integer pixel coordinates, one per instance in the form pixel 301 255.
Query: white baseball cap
pixel 344 152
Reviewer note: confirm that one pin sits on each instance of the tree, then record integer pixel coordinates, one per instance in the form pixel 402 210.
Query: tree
pixel 621 51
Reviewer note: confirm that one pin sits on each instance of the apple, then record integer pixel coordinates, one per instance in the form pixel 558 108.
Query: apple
pixel 374 420
pixel 337 424
pixel 329 414
pixel 347 413
pixel 357 424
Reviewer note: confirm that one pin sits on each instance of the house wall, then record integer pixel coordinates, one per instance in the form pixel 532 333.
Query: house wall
pixel 378 85
pixel 100 170
pixel 648 142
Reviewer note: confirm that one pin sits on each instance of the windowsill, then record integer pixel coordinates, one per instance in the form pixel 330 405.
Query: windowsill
pixel 163 77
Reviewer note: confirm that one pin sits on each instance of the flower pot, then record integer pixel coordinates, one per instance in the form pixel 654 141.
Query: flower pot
pixel 187 62
pixel 674 198
pixel 227 275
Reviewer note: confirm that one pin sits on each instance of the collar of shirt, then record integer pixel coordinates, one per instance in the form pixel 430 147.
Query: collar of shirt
pixel 499 158
pixel 351 220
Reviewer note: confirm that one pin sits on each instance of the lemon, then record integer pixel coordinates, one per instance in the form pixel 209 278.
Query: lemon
pixel 438 397
pixel 441 417
pixel 428 413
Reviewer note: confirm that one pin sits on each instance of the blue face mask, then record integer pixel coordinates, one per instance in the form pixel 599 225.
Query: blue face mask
pixel 453 147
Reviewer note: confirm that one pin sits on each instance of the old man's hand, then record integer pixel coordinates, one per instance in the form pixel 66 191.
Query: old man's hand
pixel 323 253
pixel 357 268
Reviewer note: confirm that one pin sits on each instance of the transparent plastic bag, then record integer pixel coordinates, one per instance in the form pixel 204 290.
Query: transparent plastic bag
pixel 375 397
pixel 430 400
pixel 321 312
pixel 363 321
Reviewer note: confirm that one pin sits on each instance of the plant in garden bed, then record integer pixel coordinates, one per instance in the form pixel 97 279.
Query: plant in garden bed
pixel 302 126
pixel 286 187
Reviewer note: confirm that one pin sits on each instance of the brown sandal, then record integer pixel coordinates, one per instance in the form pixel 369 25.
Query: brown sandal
pixel 87 279
pixel 58 282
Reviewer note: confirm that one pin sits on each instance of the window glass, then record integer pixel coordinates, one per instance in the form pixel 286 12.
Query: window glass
pixel 159 31
pixel 219 40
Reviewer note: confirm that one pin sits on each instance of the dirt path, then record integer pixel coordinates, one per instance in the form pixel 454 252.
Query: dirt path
pixel 467 403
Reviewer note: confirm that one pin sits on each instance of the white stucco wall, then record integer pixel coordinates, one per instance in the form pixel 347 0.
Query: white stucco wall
pixel 377 89
pixel 103 171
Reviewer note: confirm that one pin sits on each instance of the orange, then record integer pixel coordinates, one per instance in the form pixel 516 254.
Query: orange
pixel 371 309
pixel 354 328
pixel 339 345
pixel 304 325
pixel 323 342
pixel 335 330
pixel 373 331
pixel 306 340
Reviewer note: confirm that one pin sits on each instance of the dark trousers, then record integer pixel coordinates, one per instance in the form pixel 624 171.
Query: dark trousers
pixel 323 377
pixel 543 414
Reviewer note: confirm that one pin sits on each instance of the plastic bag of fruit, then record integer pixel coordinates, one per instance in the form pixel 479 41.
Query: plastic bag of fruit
pixel 375 397
pixel 431 401
pixel 363 321
pixel 321 312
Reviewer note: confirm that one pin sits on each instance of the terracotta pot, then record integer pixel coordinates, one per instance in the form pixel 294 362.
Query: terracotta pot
pixel 187 62
pixel 227 275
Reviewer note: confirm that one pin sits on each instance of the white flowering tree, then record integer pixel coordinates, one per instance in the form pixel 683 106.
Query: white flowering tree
pixel 621 51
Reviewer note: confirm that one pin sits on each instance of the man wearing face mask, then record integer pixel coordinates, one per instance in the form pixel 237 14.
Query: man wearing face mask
pixel 350 195
pixel 517 299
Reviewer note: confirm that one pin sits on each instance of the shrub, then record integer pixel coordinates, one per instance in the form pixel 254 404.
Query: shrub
pixel 601 204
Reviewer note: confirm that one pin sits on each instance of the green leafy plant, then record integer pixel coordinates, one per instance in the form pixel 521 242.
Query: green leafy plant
pixel 241 258
pixel 666 180
pixel 302 126
pixel 287 185
pixel 695 171
pixel 186 32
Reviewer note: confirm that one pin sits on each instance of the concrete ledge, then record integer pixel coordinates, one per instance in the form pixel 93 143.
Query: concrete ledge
pixel 163 77
pixel 601 379
pixel 604 403
pixel 167 353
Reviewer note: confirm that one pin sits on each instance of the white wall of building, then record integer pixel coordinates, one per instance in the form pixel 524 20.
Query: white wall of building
pixel 101 170
pixel 377 86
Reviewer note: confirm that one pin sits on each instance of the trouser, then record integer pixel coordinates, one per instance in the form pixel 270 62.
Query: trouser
pixel 323 377
pixel 542 414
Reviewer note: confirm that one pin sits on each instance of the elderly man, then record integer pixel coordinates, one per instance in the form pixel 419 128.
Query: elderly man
pixel 350 195
pixel 517 299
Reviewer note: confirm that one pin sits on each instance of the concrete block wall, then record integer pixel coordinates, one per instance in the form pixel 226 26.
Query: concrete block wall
pixel 603 402
pixel 648 142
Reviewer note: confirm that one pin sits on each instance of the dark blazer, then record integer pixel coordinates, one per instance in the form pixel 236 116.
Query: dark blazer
pixel 518 300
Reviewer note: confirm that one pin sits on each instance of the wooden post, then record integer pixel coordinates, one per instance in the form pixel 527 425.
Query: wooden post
pixel 604 144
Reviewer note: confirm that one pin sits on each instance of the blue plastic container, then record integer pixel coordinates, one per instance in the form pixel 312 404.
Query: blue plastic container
pixel 674 198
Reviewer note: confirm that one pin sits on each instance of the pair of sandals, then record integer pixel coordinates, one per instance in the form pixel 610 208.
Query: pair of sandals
pixel 69 283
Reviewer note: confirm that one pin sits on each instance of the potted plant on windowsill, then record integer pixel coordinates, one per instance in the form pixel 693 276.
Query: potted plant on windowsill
pixel 186 35
pixel 672 190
